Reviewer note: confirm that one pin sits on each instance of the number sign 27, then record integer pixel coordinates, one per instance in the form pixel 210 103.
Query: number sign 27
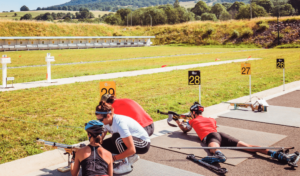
pixel 246 69
pixel 107 87
pixel 194 77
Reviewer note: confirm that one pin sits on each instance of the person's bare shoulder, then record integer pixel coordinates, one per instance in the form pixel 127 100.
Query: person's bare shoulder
pixel 107 156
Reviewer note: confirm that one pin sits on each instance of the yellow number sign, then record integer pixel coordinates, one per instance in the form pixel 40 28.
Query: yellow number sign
pixel 246 69
pixel 107 87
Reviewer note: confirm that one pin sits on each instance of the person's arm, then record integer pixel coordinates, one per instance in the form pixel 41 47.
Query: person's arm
pixel 110 166
pixel 185 129
pixel 128 141
pixel 103 135
pixel 75 166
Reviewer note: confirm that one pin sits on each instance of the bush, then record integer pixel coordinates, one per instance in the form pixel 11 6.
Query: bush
pixel 247 33
pixel 263 27
pixel 209 31
pixel 235 34
pixel 198 18
pixel 225 16
pixel 208 17
pixel 27 16
pixel 259 22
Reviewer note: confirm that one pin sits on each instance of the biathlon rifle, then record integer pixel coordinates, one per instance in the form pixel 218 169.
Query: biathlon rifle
pixel 70 150
pixel 260 105
pixel 172 114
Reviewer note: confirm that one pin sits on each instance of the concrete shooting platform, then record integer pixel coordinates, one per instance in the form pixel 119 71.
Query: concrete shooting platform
pixel 275 115
pixel 141 168
pixel 234 157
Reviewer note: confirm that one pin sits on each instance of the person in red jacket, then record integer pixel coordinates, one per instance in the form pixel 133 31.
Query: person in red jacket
pixel 130 108
pixel 206 129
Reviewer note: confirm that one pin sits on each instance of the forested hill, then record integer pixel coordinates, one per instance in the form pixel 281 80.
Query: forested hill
pixel 114 5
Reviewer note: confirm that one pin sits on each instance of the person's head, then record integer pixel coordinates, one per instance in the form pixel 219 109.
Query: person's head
pixel 196 109
pixel 94 129
pixel 108 98
pixel 104 112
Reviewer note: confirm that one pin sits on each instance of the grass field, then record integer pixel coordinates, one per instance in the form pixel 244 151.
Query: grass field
pixel 73 104
pixel 112 65
pixel 10 15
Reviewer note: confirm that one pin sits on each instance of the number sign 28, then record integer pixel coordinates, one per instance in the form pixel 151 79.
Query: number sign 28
pixel 194 77
pixel 246 69
pixel 107 87
pixel 280 63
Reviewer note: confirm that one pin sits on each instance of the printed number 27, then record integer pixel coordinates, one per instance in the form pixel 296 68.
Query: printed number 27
pixel 244 69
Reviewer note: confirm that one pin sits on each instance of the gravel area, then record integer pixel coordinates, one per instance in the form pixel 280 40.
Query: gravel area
pixel 288 100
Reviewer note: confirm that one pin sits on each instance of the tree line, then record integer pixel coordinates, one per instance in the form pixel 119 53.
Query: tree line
pixel 172 14
pixel 107 5
pixel 81 16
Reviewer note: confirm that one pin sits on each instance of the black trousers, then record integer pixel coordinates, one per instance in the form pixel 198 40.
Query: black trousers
pixel 149 129
pixel 116 145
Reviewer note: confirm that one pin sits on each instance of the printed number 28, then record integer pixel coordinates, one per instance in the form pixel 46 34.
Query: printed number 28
pixel 280 64
pixel 244 69
pixel 195 80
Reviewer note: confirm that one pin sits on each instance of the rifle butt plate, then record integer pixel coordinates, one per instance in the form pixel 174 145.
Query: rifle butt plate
pixel 64 169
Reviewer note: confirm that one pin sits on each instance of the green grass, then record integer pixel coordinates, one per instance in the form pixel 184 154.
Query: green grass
pixel 75 55
pixel 68 56
pixel 73 104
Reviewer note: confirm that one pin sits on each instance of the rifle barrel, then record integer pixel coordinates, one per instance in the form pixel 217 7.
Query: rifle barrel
pixel 54 144
pixel 233 148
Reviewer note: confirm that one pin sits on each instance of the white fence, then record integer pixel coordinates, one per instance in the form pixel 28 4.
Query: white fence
pixel 41 43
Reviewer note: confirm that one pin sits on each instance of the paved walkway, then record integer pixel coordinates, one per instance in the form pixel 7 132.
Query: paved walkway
pixel 29 85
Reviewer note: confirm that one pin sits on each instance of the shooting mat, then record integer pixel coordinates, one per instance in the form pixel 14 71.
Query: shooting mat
pixel 275 115
pixel 234 157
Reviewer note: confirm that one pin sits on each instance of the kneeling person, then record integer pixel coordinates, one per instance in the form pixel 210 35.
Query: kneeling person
pixel 128 137
pixel 93 159
pixel 206 129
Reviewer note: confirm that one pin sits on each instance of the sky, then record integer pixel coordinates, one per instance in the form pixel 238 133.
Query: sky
pixel 7 5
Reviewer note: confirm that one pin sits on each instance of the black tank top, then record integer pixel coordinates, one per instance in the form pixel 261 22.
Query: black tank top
pixel 94 164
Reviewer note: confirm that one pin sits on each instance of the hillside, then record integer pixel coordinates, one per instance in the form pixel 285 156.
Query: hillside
pixel 260 32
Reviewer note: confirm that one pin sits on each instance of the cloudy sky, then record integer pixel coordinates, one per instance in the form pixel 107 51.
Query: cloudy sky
pixel 7 5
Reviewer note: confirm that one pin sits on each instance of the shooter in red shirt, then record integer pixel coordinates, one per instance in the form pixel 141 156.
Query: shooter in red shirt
pixel 130 108
pixel 206 128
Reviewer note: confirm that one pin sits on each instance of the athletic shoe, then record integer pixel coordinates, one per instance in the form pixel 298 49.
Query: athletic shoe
pixel 122 168
pixel 132 159
pixel 218 157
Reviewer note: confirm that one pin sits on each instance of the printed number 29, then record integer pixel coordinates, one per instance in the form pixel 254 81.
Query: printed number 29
pixel 244 69
pixel 111 91
pixel 194 80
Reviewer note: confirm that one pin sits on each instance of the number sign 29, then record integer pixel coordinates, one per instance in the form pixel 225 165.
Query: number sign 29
pixel 246 69
pixel 280 63
pixel 107 87
pixel 195 77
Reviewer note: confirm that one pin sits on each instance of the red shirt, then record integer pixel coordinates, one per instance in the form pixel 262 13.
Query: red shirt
pixel 203 126
pixel 132 109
